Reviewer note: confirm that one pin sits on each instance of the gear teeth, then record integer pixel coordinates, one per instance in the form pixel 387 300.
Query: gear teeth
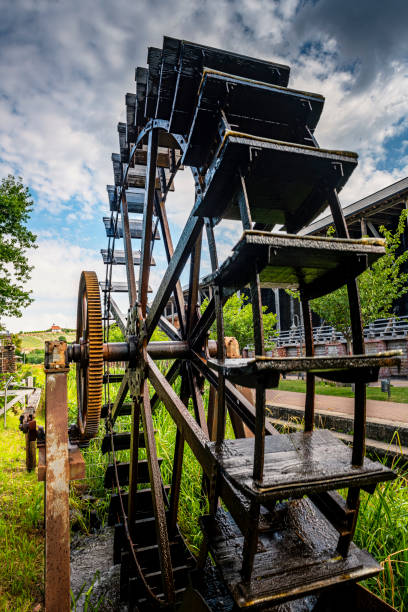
pixel 89 407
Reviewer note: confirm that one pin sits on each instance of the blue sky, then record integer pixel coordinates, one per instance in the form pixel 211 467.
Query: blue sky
pixel 65 68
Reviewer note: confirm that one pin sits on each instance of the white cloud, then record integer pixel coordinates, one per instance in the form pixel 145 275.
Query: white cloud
pixel 65 69
pixel 54 283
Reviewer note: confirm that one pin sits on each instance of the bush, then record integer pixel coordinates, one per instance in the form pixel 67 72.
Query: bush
pixel 35 356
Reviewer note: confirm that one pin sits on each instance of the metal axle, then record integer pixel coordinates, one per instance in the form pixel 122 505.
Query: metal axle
pixel 126 351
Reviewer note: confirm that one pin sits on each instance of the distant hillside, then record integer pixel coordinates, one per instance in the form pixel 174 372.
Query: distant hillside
pixel 35 340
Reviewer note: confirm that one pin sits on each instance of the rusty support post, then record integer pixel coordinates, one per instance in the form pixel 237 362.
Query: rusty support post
pixel 31 445
pixel 57 550
pixel 310 379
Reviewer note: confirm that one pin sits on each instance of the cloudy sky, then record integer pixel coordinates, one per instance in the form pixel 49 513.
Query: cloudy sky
pixel 65 68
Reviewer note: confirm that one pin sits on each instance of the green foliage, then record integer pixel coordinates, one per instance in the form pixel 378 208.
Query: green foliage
pixel 89 605
pixel 15 239
pixel 115 335
pixel 380 286
pixel 35 356
pixel 158 336
pixel 62 338
pixel 238 321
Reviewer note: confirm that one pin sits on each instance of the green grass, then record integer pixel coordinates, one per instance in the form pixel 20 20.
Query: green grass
pixel 21 524
pixel 382 530
pixel 398 394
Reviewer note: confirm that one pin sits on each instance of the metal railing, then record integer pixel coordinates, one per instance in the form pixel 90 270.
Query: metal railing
pixel 381 328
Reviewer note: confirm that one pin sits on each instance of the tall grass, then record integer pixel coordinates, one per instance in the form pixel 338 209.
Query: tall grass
pixel 21 524
pixel 382 530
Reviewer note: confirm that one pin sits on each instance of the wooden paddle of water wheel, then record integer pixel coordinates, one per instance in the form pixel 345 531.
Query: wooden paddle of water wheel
pixel 282 537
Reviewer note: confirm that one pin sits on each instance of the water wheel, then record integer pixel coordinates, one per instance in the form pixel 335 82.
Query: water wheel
pixel 283 533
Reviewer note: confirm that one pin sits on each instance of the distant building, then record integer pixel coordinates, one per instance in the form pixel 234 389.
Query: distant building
pixel 56 328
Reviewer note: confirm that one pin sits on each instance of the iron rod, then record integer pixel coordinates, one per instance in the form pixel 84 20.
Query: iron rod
pixel 147 219
pixel 157 497
pixel 127 242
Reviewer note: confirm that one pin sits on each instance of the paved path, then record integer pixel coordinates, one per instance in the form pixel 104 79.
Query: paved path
pixel 387 411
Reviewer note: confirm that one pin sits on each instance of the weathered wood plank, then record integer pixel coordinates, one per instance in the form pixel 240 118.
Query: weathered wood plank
pixel 296 464
pixel 290 562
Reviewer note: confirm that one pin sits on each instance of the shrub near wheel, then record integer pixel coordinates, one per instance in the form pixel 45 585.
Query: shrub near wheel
pixel 89 372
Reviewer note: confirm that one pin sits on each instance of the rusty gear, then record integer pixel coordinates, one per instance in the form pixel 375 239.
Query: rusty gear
pixel 89 371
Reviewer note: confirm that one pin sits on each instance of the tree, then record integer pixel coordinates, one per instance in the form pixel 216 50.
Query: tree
pixel 238 321
pixel 379 287
pixel 17 341
pixel 15 239
pixel 35 356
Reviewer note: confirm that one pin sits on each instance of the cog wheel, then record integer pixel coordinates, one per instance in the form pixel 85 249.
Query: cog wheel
pixel 89 372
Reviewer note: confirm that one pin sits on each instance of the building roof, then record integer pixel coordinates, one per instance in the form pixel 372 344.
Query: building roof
pixel 372 205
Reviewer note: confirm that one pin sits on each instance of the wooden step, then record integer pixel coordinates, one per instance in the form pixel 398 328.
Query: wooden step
pixel 180 577
pixel 117 169
pixel 123 473
pixel 144 503
pixel 134 199
pixel 117 287
pixel 121 441
pixel 134 588
pixel 314 265
pixel 117 258
pixel 296 464
pixel 148 556
pixel 124 410
pixel 112 378
pixel 131 131
pixel 286 183
pixel 123 144
pixel 135 226
pixel 297 556
pixel 141 75
pixel 137 177
pixel 145 531
pixel 154 56
pixel 276 112
pixel 191 61
pixel 267 370
pixel 163 157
